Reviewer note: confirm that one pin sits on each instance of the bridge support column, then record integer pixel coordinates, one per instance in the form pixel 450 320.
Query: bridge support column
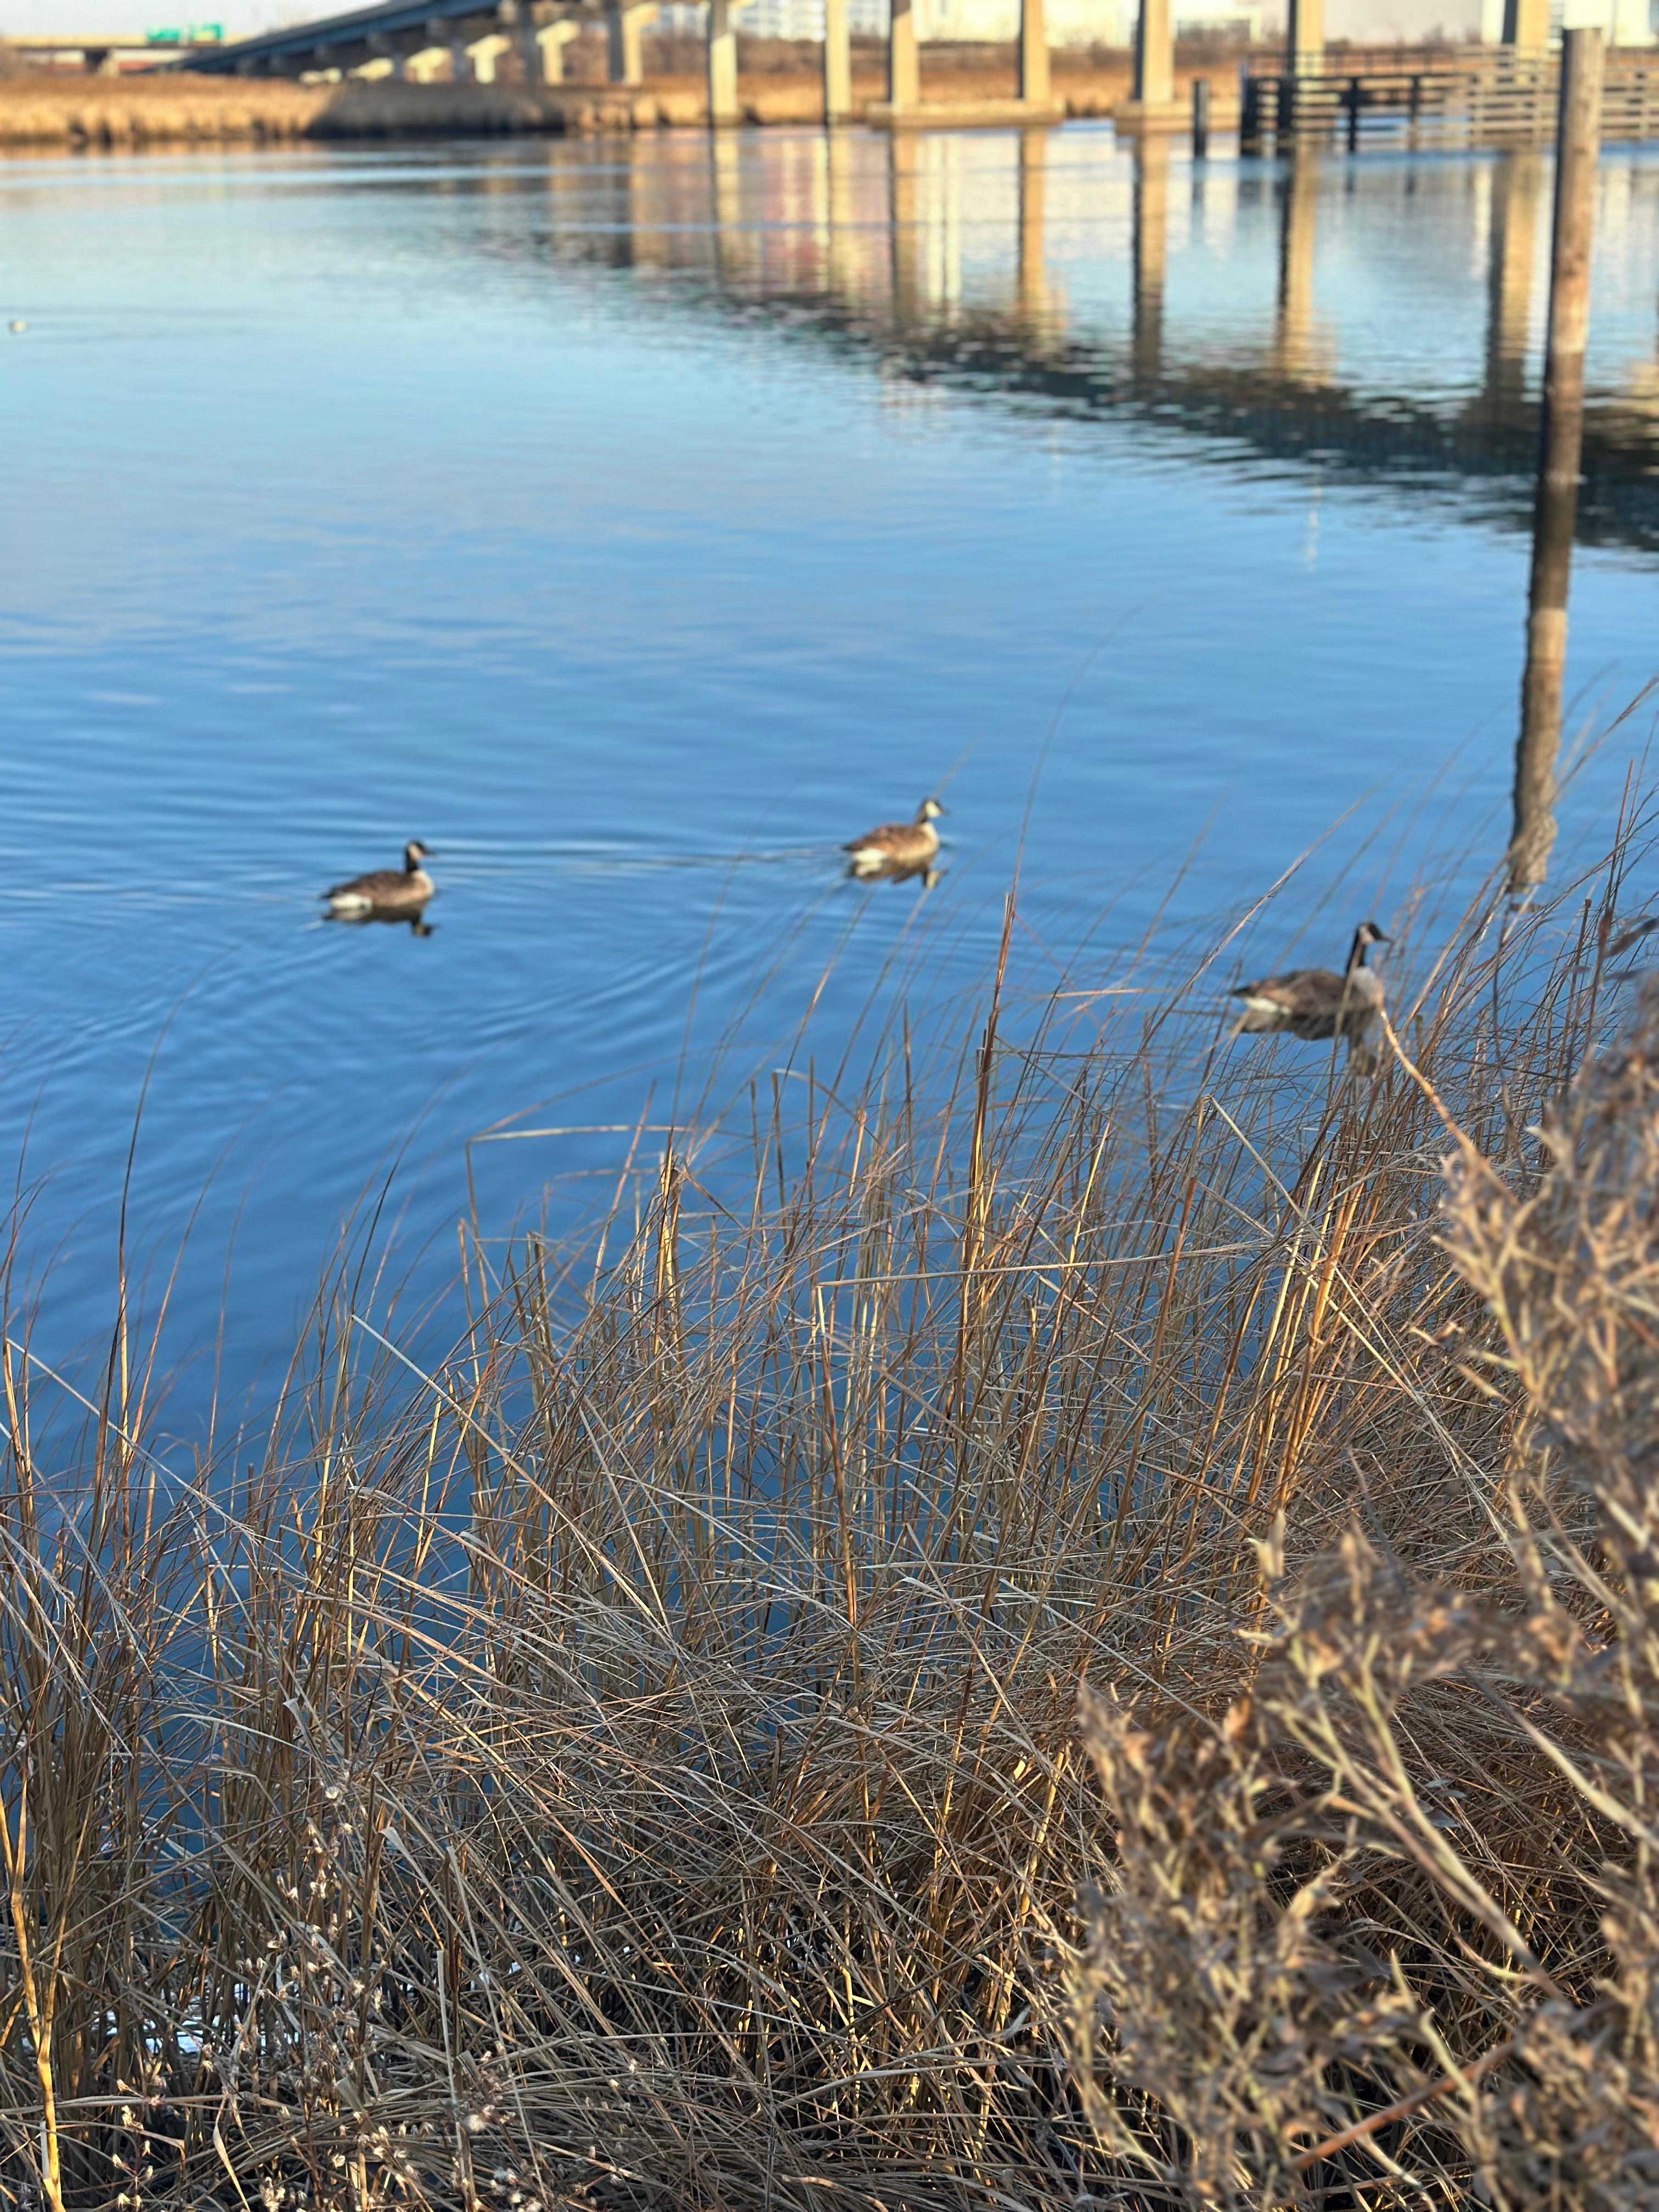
pixel 1034 80
pixel 1305 37
pixel 1527 28
pixel 837 63
pixel 722 60
pixel 387 60
pixel 460 66
pixel 903 61
pixel 1152 106
pixel 543 50
pixel 483 54
pixel 623 26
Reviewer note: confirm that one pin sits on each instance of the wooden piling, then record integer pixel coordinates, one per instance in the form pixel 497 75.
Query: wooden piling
pixel 1560 448
pixel 1201 118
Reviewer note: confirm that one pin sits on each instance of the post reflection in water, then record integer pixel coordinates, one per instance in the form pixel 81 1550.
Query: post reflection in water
pixel 841 260
pixel 1516 189
pixel 1151 237
pixel 1302 350
pixel 1031 284
pixel 724 153
pixel 903 161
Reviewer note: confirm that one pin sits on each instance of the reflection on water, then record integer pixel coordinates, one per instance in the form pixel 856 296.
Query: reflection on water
pixel 1033 287
pixel 1151 160
pixel 922 874
pixel 896 240
pixel 1518 182
pixel 634 515
pixel 928 307
pixel 415 923
pixel 1302 350
pixel 1560 450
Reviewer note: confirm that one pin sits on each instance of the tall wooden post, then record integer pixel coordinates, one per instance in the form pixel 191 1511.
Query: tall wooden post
pixel 1560 448
pixel 1201 118
pixel 1034 84
pixel 722 65
pixel 837 63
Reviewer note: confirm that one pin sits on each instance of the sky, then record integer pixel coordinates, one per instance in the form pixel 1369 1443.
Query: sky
pixel 35 19
pixel 1378 18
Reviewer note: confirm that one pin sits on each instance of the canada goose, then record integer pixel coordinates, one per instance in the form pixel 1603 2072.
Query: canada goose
pixel 1312 1002
pixel 385 890
pixel 896 848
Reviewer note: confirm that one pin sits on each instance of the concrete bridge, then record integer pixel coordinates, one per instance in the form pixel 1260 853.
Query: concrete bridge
pixel 458 39
pixel 462 40
pixel 102 52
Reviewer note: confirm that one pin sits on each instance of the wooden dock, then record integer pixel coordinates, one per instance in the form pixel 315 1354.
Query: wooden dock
pixel 1505 99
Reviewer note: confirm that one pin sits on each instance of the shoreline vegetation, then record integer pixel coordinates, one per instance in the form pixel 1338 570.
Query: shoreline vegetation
pixel 780 83
pixel 1069 1615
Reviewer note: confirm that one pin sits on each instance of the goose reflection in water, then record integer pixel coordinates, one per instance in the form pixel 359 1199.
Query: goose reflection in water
pixel 415 923
pixel 921 872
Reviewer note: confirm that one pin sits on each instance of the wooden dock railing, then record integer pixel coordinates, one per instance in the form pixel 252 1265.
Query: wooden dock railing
pixel 1506 99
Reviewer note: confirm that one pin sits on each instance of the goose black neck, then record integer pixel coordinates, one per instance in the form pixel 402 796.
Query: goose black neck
pixel 1357 951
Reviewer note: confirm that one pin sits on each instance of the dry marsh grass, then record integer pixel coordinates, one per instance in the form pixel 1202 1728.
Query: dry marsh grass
pixel 1083 1633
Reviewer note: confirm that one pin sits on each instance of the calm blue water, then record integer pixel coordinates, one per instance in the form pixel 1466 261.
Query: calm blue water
pixel 633 525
